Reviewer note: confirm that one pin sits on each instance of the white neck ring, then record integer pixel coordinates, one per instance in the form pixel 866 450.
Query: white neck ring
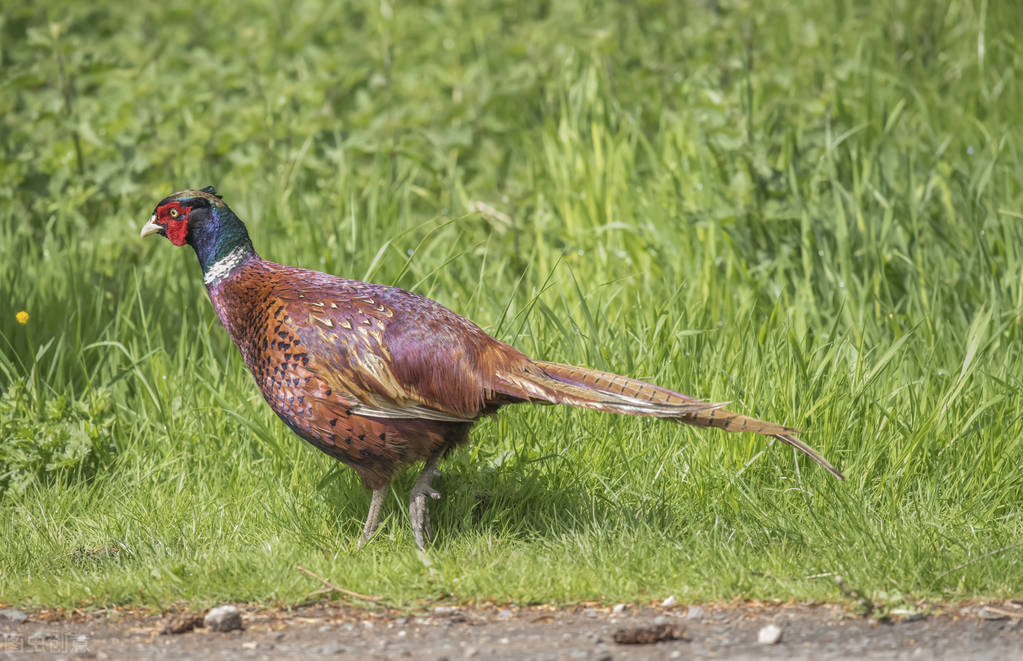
pixel 224 266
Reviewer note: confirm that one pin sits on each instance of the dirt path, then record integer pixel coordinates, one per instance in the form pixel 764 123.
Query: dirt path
pixel 993 631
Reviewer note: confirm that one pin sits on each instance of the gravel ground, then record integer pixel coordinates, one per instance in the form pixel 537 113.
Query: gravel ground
pixel 992 631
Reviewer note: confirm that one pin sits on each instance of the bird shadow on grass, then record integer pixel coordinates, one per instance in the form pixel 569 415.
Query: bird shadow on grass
pixel 514 501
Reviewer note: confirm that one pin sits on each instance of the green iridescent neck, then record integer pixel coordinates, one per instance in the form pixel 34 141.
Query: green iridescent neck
pixel 220 240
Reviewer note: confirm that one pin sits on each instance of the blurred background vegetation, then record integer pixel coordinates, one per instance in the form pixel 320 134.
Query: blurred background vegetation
pixel 812 209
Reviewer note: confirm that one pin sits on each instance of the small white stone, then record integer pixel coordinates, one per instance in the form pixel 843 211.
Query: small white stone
pixel 13 614
pixel 769 635
pixel 618 609
pixel 669 602
pixel 223 618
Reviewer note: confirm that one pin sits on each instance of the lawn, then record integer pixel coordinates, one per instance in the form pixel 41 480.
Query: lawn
pixel 814 211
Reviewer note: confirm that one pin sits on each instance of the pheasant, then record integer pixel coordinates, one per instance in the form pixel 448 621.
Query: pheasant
pixel 379 377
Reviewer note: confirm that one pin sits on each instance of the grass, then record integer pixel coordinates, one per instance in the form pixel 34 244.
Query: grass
pixel 815 212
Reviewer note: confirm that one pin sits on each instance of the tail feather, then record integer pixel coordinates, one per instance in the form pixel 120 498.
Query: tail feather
pixel 604 391
pixel 810 452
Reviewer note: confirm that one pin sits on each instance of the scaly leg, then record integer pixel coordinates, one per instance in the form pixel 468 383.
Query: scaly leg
pixel 373 518
pixel 417 500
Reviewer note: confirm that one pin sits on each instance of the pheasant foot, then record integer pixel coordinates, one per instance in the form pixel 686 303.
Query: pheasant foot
pixel 417 510
pixel 373 518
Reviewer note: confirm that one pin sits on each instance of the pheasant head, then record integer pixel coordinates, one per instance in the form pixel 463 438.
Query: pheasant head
pixel 201 219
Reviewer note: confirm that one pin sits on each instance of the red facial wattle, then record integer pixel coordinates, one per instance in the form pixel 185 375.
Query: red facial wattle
pixel 175 216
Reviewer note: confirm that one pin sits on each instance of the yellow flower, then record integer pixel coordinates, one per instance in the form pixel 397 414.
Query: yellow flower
pixel 22 317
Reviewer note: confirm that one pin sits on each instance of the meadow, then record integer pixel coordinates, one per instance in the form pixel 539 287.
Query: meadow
pixel 813 210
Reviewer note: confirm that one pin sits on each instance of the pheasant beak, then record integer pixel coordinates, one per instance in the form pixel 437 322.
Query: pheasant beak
pixel 150 228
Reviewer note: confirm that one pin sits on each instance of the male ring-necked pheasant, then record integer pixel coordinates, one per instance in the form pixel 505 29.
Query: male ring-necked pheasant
pixel 379 377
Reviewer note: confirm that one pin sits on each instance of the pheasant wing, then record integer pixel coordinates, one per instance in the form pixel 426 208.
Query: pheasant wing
pixel 398 354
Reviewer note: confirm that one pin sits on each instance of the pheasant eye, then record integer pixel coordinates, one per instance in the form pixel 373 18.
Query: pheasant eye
pixel 173 213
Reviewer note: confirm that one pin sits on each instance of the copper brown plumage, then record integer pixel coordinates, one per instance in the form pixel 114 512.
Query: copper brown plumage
pixel 379 377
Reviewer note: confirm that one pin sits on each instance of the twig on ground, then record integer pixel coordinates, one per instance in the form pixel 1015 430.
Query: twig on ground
pixel 1002 611
pixel 330 587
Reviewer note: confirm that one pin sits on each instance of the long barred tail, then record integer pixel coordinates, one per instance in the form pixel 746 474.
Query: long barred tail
pixel 604 391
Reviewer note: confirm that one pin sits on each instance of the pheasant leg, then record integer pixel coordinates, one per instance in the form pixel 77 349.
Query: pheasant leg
pixel 373 518
pixel 417 500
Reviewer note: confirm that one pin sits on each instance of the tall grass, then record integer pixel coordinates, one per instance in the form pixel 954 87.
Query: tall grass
pixel 814 212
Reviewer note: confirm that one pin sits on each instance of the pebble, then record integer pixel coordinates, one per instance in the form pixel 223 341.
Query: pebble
pixel 694 613
pixel 223 618
pixel 660 620
pixel 443 610
pixel 590 612
pixel 13 614
pixel 504 613
pixel 331 649
pixel 669 602
pixel 769 635
pixel 907 615
pixel 618 609
pixel 990 615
